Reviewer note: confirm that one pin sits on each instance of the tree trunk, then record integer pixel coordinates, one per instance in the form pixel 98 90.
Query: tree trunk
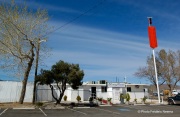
pixel 63 87
pixel 52 88
pixel 60 98
pixel 24 82
pixel 26 74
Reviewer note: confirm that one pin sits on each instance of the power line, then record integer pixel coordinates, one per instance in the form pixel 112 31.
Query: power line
pixel 74 19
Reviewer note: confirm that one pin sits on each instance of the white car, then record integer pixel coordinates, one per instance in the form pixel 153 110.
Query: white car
pixel 174 92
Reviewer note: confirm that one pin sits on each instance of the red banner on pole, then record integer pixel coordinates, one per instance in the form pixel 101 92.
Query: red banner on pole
pixel 152 36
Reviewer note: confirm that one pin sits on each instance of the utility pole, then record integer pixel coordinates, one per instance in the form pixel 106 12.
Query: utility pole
pixel 36 69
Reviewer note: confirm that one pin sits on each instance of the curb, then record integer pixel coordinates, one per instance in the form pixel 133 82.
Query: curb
pixel 105 105
pixel 139 104
pixel 81 107
pixel 53 108
pixel 158 104
pixel 21 108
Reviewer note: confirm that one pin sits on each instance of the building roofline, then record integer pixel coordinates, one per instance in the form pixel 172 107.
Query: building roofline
pixel 138 84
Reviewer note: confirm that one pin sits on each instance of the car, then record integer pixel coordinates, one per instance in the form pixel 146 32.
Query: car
pixel 156 94
pixel 174 92
pixel 174 100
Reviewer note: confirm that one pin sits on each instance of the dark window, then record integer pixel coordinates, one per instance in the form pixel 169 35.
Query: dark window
pixel 104 89
pixel 128 89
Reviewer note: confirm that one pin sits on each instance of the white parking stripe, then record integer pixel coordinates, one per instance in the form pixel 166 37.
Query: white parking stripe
pixel 77 111
pixel 4 111
pixel 42 111
pixel 109 111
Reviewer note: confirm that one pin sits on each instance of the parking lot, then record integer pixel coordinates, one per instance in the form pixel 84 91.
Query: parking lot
pixel 103 111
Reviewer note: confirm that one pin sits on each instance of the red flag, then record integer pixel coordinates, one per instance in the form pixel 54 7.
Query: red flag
pixel 152 36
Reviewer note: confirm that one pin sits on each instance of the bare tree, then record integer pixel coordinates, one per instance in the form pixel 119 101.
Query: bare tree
pixel 168 68
pixel 177 71
pixel 148 72
pixel 20 31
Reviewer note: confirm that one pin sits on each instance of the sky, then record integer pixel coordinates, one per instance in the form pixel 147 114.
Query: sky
pixel 108 38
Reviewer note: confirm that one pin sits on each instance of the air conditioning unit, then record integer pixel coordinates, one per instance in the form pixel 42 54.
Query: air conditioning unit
pixel 102 82
pixel 91 82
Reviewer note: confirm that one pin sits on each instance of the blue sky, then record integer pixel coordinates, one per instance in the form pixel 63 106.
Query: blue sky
pixel 110 40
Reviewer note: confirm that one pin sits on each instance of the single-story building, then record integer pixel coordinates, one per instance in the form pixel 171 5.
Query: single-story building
pixel 10 91
pixel 100 89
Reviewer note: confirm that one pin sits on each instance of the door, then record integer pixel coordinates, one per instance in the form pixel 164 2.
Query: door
pixel 93 92
pixel 116 95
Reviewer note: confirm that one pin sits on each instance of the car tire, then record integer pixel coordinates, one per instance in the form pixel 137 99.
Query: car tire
pixel 170 102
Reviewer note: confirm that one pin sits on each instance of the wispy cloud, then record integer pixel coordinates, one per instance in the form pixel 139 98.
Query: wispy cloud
pixel 50 7
pixel 62 9
pixel 101 53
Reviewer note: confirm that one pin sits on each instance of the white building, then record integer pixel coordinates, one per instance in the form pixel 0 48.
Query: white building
pixel 10 91
pixel 137 91
pixel 100 89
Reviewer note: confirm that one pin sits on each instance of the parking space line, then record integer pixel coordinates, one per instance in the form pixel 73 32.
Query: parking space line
pixel 42 111
pixel 4 111
pixel 128 106
pixel 109 111
pixel 137 107
pixel 77 111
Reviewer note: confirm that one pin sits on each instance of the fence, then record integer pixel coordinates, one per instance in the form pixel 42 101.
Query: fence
pixel 10 91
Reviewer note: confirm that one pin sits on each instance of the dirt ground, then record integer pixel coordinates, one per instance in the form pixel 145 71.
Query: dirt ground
pixel 16 105
pixel 48 105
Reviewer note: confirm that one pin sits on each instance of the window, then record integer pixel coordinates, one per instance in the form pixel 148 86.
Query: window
pixel 128 89
pixel 104 89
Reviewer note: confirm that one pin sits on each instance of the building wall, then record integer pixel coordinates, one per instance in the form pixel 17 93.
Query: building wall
pixel 85 92
pixel 137 92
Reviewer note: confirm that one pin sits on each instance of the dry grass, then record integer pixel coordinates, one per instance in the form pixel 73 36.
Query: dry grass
pixel 16 105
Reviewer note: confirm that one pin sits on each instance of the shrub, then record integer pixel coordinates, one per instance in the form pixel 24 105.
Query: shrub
pixel 39 104
pixel 65 98
pixel 135 100
pixel 100 99
pixel 127 97
pixel 121 96
pixel 144 99
pixel 109 99
pixel 90 99
pixel 166 92
pixel 78 98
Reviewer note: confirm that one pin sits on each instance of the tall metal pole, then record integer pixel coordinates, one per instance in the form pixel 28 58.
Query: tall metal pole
pixel 36 69
pixel 155 68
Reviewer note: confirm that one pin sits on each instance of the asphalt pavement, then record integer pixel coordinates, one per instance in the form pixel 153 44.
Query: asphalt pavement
pixel 104 111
